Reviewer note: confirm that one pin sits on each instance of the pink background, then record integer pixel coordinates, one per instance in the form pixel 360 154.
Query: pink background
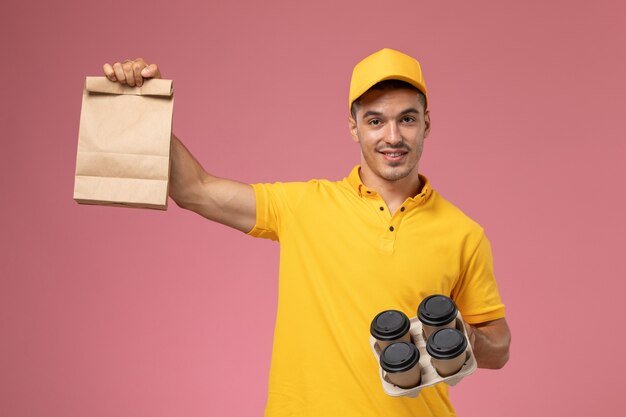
pixel 108 311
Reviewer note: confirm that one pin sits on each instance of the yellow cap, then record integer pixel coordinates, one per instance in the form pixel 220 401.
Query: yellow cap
pixel 385 64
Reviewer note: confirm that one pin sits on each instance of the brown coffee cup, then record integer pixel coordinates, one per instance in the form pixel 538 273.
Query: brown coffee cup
pixel 400 361
pixel 436 312
pixel 390 326
pixel 447 349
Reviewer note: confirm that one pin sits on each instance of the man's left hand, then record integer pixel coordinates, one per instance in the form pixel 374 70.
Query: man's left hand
pixel 490 342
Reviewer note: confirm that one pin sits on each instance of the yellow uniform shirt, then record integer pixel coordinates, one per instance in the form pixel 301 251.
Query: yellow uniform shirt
pixel 344 258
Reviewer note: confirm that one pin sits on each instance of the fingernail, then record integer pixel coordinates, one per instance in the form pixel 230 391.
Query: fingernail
pixel 145 71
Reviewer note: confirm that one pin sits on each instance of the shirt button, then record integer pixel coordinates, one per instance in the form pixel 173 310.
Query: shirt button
pixel 401 208
pixel 382 209
pixel 391 228
pixel 369 192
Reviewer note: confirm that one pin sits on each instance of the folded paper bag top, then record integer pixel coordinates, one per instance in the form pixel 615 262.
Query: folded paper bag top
pixel 150 87
pixel 123 156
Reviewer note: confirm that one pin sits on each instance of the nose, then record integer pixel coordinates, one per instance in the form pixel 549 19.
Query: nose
pixel 393 134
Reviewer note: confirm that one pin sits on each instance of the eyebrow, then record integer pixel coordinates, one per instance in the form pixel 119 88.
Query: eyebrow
pixel 402 113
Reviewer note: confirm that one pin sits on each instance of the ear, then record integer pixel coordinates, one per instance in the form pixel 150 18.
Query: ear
pixel 353 129
pixel 427 123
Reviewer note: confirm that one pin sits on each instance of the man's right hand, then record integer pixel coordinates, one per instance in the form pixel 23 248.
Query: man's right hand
pixel 131 72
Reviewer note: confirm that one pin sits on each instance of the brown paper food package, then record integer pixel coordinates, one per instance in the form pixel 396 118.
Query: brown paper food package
pixel 123 156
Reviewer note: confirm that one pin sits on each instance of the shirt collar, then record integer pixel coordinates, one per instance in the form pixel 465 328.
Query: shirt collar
pixel 354 179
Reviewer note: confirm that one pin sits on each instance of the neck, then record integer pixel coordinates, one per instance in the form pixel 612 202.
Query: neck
pixel 394 193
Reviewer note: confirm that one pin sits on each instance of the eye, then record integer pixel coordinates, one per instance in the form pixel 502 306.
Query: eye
pixel 374 122
pixel 408 119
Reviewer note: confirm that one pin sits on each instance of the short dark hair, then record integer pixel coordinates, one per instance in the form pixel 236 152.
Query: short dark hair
pixel 388 85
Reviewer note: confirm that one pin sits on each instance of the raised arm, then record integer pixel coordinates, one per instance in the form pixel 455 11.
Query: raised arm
pixel 225 201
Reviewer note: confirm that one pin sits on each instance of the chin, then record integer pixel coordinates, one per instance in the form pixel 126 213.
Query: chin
pixel 394 174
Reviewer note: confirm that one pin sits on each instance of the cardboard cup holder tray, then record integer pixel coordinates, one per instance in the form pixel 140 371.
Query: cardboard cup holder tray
pixel 429 374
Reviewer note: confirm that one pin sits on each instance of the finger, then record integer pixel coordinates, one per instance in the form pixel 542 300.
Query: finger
pixel 151 71
pixel 109 72
pixel 119 73
pixel 127 66
pixel 137 67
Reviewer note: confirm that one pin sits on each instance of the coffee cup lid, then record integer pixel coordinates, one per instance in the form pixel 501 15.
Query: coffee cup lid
pixel 446 344
pixel 390 325
pixel 437 310
pixel 399 357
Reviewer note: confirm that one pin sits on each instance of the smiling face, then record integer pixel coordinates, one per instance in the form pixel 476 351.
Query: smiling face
pixel 390 125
